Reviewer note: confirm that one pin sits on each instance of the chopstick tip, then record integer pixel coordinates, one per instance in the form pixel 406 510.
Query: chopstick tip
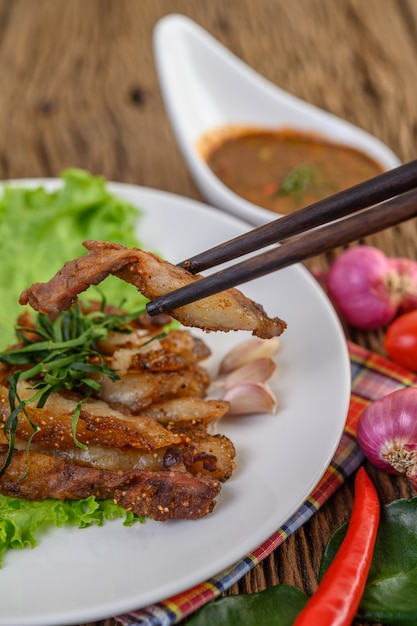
pixel 152 309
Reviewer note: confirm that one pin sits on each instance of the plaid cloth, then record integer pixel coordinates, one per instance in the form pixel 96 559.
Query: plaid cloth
pixel 372 377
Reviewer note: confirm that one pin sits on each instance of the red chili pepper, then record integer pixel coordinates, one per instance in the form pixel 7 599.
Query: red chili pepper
pixel 338 596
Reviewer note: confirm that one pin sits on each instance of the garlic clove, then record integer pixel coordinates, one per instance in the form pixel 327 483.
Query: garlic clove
pixel 249 350
pixel 255 371
pixel 250 397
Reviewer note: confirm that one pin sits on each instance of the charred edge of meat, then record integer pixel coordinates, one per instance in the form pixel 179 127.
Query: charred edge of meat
pixel 158 495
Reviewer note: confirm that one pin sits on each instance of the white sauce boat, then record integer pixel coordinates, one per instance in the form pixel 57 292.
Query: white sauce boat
pixel 206 87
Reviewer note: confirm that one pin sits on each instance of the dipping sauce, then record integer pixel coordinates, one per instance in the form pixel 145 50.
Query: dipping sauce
pixel 284 170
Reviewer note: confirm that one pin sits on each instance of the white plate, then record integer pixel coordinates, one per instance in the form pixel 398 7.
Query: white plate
pixel 205 86
pixel 76 576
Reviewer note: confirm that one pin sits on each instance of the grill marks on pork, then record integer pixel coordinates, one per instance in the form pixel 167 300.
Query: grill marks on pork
pixel 114 443
pixel 75 277
pixel 199 453
pixel 159 495
pixel 148 427
pixel 97 424
pixel 154 277
pixel 147 437
pixel 137 391
pixel 202 452
pixel 176 350
pixel 187 408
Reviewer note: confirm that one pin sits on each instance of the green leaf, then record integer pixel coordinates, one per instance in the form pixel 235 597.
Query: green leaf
pixel 40 230
pixel 390 596
pixel 276 606
pixel 298 179
pixel 60 364
pixel 22 520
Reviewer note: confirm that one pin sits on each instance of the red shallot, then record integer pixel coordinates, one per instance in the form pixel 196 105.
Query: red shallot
pixel 407 273
pixel 370 289
pixel 387 433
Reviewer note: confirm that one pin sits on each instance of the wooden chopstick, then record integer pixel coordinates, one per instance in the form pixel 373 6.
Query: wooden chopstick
pixel 297 248
pixel 372 191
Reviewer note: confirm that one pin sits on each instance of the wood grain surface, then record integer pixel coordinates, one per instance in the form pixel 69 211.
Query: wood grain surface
pixel 78 87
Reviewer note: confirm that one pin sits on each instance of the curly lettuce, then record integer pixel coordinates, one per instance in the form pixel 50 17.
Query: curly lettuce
pixel 41 229
pixel 21 520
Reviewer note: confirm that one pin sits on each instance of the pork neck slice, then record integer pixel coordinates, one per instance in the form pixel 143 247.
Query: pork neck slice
pixel 153 277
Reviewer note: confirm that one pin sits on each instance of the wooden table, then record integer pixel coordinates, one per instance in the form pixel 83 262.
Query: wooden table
pixel 78 88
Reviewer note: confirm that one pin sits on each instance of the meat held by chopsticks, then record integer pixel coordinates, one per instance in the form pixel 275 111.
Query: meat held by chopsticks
pixel 153 277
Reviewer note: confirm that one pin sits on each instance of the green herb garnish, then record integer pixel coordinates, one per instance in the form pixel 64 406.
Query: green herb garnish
pixel 64 356
pixel 298 180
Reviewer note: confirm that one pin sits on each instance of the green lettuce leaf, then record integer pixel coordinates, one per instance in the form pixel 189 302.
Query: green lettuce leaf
pixel 390 595
pixel 20 520
pixel 41 229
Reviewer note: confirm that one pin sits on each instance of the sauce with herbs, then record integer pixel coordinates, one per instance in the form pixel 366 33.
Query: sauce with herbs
pixel 285 170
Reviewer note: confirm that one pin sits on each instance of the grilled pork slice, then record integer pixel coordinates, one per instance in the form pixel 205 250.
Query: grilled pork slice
pixel 134 352
pixel 187 408
pixel 154 277
pixel 158 495
pixel 97 424
pixel 202 451
pixel 199 452
pixel 137 391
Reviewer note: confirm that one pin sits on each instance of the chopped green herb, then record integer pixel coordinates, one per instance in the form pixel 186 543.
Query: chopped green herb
pixel 64 357
pixel 298 180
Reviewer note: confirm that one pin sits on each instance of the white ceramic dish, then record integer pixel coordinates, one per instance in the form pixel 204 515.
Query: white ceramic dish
pixel 205 86
pixel 76 576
